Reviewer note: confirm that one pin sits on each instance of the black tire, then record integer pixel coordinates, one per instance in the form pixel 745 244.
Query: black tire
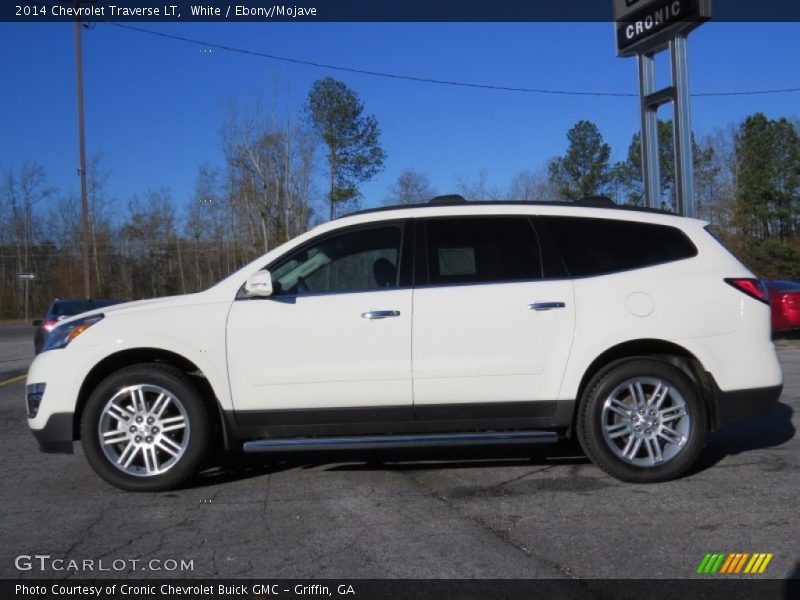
pixel 199 430
pixel 590 417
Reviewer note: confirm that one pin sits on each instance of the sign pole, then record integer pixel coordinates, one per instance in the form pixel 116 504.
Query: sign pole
pixel 643 29
pixel 651 172
pixel 684 162
pixel 82 156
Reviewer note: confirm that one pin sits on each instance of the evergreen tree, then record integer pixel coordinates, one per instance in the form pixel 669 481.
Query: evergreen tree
pixel 354 153
pixel 630 171
pixel 584 170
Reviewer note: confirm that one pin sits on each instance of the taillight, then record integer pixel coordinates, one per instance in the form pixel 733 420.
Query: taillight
pixel 49 324
pixel 754 288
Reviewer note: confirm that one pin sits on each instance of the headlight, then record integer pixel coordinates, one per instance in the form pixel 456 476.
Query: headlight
pixel 64 334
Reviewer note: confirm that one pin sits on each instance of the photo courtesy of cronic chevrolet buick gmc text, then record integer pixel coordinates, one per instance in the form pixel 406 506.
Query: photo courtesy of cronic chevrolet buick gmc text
pixel 454 322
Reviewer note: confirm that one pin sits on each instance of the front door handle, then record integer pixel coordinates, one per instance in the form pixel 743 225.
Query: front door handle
pixel 546 305
pixel 380 314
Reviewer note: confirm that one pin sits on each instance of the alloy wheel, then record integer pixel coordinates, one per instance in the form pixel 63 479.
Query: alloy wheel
pixel 144 430
pixel 645 421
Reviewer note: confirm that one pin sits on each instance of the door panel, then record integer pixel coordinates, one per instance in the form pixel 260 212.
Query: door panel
pixel 336 332
pixel 318 351
pixel 482 343
pixel 476 334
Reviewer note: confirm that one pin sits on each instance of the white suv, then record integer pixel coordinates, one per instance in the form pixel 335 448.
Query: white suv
pixel 634 330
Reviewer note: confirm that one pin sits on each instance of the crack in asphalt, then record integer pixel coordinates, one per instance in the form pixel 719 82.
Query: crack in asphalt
pixel 523 476
pixel 499 533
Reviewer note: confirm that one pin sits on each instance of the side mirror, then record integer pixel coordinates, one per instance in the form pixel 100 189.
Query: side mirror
pixel 37 323
pixel 259 284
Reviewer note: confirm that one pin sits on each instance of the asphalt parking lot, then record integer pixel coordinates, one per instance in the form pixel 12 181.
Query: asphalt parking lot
pixel 478 512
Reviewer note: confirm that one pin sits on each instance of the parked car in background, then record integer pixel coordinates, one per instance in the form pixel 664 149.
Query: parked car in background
pixel 61 309
pixel 784 300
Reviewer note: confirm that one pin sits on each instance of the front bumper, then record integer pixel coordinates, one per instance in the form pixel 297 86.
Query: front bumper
pixel 57 434
pixel 743 404
pixel 52 390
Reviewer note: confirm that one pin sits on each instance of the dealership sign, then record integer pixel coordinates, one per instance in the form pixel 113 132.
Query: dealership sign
pixel 647 25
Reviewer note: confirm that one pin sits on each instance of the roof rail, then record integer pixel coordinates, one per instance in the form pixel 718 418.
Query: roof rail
pixel 592 202
pixel 596 201
pixel 448 199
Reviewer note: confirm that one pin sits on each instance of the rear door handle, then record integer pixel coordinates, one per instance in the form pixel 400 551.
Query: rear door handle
pixel 380 314
pixel 546 305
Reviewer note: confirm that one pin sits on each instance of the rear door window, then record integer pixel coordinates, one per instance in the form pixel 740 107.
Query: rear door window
pixel 482 250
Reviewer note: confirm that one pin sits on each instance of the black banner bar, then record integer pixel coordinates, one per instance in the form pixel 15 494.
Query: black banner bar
pixel 731 588
pixel 144 11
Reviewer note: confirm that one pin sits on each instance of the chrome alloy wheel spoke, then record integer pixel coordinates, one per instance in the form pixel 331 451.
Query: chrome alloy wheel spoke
pixel 670 414
pixel 144 430
pixel 645 422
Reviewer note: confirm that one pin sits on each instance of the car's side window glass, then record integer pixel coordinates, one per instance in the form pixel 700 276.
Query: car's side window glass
pixel 364 259
pixel 482 250
pixel 601 246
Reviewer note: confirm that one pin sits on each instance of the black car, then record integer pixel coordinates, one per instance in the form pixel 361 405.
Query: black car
pixel 61 309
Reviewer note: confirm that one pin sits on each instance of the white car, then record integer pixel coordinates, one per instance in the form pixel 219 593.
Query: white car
pixel 634 330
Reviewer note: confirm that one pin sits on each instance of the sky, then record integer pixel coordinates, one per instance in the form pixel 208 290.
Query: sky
pixel 154 106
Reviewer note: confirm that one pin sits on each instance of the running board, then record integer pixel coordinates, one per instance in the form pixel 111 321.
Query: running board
pixel 399 440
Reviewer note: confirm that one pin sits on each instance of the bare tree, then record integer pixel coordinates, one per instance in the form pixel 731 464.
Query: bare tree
pixel 204 225
pixel 411 187
pixel 22 193
pixel 479 189
pixel 100 207
pixel 533 185
pixel 270 166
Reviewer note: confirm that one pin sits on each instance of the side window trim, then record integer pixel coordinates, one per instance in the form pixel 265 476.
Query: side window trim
pixel 421 275
pixel 405 257
pixel 549 248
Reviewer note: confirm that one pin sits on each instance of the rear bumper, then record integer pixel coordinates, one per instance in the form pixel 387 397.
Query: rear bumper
pixel 742 404
pixel 56 435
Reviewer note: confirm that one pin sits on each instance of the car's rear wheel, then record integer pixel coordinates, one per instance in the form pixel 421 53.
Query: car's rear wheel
pixel 642 420
pixel 146 428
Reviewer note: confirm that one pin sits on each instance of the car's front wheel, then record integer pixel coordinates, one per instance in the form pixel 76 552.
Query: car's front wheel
pixel 642 420
pixel 146 428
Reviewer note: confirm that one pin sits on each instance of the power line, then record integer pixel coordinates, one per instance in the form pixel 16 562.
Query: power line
pixel 466 84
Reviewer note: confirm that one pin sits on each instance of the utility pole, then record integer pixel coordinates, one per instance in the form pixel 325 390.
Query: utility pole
pixel 27 278
pixel 87 290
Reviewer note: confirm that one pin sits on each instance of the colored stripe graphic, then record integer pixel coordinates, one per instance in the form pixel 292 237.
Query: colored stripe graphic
pixel 728 563
pixel 754 563
pixel 718 564
pixel 766 562
pixel 740 564
pixel 703 563
pixel 734 562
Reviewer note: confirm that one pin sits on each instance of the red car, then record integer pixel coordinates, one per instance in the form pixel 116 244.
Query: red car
pixel 784 299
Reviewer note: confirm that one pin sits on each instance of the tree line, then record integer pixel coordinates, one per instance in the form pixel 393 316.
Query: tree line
pixel 263 195
pixel 747 182
pixel 746 175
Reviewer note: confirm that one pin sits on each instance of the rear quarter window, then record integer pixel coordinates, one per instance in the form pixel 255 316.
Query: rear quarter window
pixel 602 246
